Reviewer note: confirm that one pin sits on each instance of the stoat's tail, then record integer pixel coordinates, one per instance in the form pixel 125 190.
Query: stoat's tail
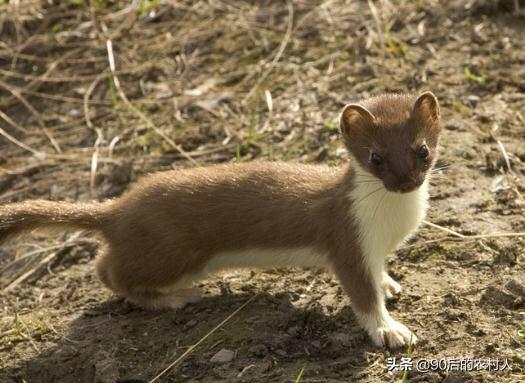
pixel 28 215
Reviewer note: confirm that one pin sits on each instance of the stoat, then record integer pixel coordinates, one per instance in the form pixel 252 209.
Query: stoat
pixel 176 227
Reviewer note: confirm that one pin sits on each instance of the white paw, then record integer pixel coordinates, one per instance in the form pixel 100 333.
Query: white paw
pixel 182 297
pixel 393 334
pixel 171 298
pixel 178 303
pixel 390 287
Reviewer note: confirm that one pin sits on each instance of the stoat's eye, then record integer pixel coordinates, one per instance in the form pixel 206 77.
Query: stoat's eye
pixel 375 158
pixel 423 152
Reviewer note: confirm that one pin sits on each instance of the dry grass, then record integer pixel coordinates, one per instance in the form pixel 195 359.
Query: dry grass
pixel 95 93
pixel 167 100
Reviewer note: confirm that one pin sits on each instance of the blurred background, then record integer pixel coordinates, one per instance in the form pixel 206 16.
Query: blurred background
pixel 94 94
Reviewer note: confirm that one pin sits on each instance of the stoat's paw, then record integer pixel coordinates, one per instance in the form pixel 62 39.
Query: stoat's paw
pixel 390 287
pixel 171 299
pixel 393 335
pixel 182 297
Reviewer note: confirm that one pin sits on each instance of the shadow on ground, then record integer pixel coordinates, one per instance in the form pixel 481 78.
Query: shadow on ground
pixel 117 342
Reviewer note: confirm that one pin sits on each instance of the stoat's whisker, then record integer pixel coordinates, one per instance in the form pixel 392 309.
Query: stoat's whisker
pixel 379 204
pixel 368 195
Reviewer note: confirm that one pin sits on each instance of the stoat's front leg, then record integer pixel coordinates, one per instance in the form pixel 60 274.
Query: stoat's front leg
pixel 364 286
pixel 390 287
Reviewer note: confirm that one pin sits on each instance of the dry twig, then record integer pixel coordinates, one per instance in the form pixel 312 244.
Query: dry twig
pixel 192 347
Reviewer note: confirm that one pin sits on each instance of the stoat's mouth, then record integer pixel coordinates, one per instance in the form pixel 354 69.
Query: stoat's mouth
pixel 404 188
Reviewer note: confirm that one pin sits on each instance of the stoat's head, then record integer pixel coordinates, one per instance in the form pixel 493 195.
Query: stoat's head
pixel 394 138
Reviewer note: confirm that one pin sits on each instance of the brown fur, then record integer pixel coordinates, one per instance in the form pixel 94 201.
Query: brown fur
pixel 171 224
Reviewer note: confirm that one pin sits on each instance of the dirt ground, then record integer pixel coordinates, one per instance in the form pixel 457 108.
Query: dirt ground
pixel 201 82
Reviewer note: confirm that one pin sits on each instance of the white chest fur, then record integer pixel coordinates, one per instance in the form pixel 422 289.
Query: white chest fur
pixel 384 219
pixel 267 258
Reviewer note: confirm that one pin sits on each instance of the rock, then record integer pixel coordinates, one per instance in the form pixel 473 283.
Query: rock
pixel 191 323
pixel 293 331
pixel 258 350
pixel 509 255
pixel 516 288
pixel 495 296
pixel 223 356
pixel 453 315
pixel 473 100
pixel 453 125
pixel 116 181
pixel 459 377
pixel 451 299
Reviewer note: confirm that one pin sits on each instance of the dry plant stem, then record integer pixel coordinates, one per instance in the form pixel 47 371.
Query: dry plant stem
pixel 37 80
pixel 87 95
pixel 141 115
pixel 377 20
pixel 29 57
pixel 21 144
pixel 279 53
pixel 14 124
pixel 465 238
pixel 192 347
pixel 505 155
pixel 70 242
pixel 309 14
pixel 30 254
pixel 35 113
pixel 58 97
pixel 28 336
pixel 30 272
pixel 94 158
pixel 94 162
pixel 40 78
pixel 442 228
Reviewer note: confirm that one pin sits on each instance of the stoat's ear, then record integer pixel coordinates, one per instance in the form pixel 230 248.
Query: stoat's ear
pixel 355 116
pixel 427 107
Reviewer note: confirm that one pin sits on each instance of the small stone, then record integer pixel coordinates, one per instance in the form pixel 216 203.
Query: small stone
pixel 519 302
pixel 258 350
pixel 516 288
pixel 450 299
pixel 453 125
pixel 223 356
pixel 190 324
pixel 453 315
pixel 479 332
pixel 496 296
pixel 473 100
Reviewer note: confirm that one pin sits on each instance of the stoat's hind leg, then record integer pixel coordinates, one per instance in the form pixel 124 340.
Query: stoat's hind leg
pixel 117 276
pixel 152 298
pixel 390 287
